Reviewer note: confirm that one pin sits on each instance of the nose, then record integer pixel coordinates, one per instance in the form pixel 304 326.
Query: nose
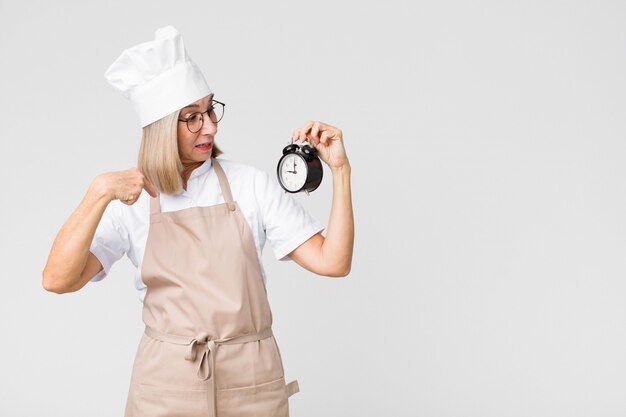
pixel 208 127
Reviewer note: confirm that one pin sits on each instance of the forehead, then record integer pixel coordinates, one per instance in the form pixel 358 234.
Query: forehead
pixel 199 103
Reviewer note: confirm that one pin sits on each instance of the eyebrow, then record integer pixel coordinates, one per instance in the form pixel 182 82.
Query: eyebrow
pixel 190 106
pixel 196 105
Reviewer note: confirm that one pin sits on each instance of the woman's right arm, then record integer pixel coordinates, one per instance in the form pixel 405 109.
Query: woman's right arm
pixel 70 264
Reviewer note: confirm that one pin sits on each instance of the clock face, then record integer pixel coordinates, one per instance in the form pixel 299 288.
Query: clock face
pixel 293 172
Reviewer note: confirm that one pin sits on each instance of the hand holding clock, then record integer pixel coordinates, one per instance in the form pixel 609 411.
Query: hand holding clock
pixel 325 143
pixel 327 140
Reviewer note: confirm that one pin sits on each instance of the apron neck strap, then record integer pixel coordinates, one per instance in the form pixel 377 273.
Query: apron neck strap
pixel 228 196
pixel 155 203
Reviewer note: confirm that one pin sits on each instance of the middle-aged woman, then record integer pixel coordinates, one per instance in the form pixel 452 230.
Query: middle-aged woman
pixel 196 238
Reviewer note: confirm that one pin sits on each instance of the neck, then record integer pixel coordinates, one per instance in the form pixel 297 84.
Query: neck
pixel 188 169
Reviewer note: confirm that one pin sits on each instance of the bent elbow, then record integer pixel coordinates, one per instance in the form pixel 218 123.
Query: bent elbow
pixel 340 271
pixel 347 268
pixel 345 272
pixel 51 284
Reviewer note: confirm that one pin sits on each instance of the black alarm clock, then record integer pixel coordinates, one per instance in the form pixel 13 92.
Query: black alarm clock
pixel 299 169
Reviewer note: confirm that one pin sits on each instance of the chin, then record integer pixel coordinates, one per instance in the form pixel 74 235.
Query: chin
pixel 195 158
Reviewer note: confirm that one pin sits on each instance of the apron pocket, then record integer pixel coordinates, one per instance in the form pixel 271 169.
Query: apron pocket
pixel 156 401
pixel 263 400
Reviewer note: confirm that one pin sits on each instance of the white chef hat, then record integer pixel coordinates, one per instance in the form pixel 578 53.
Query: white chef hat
pixel 158 77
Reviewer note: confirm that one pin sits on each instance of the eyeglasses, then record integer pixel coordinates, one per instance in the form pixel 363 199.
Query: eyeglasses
pixel 195 121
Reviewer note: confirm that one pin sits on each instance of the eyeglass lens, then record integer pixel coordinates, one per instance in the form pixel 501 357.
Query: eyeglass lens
pixel 195 122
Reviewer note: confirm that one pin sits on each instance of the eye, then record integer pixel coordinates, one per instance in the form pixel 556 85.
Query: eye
pixel 193 117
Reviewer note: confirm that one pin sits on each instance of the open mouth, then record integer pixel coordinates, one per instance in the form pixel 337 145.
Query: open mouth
pixel 204 146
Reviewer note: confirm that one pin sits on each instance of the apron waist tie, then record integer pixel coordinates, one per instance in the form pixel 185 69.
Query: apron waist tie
pixel 206 367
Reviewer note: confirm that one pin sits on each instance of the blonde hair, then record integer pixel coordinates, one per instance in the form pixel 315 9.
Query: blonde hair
pixel 159 160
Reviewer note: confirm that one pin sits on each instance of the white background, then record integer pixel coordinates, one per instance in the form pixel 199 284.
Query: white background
pixel 486 140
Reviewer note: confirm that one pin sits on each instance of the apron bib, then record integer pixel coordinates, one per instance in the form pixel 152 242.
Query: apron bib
pixel 208 347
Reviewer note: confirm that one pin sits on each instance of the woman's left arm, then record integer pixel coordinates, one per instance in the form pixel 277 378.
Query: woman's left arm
pixel 331 255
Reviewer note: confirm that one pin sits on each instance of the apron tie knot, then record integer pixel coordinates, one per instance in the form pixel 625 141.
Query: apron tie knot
pixel 208 355
pixel 190 355
pixel 204 367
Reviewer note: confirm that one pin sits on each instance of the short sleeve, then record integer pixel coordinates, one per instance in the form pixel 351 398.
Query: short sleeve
pixel 110 242
pixel 286 223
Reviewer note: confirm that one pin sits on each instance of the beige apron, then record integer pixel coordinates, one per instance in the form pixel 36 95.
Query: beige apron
pixel 208 348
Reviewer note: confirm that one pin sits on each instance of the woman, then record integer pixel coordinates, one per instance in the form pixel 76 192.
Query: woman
pixel 196 237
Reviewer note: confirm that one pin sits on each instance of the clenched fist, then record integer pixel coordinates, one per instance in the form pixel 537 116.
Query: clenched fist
pixel 125 186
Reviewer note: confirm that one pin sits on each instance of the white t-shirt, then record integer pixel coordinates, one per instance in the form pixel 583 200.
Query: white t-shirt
pixel 271 214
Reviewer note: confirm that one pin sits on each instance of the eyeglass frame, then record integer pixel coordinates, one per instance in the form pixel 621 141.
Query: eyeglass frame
pixel 202 116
